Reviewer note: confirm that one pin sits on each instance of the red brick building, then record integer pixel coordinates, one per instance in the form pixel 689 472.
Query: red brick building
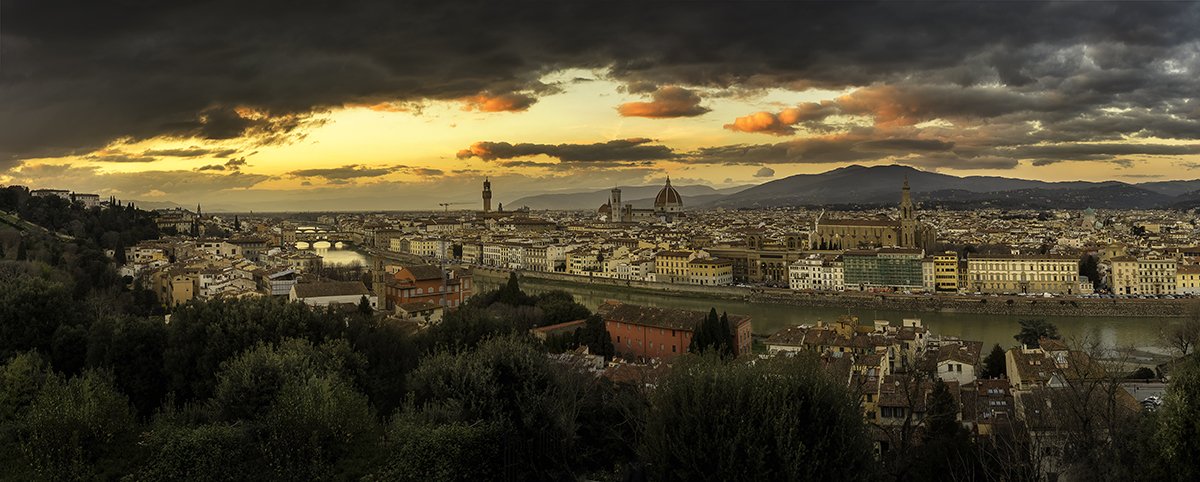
pixel 446 288
pixel 640 332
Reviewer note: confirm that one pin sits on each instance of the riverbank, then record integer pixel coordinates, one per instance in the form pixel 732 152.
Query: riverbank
pixel 983 305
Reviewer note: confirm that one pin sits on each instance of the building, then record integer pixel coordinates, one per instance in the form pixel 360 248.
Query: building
pixel 817 272
pixel 426 283
pixel 87 200
pixel 1150 276
pixel 1018 274
pixel 327 293
pixel 1187 280
pixel 1157 276
pixel 885 268
pixel 487 195
pixel 645 332
pixel 668 206
pixel 59 193
pixel 672 266
pixel 945 272
pixel 958 361
pixel 1123 275
pixel 905 231
pixel 710 272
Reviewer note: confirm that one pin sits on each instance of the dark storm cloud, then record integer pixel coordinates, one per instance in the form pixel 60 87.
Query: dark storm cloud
pixel 231 165
pixel 765 172
pixel 1044 155
pixel 349 171
pixel 816 150
pixel 637 149
pixel 119 157
pixel 190 152
pixel 79 75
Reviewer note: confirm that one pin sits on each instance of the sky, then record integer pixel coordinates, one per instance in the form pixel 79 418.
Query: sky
pixel 315 105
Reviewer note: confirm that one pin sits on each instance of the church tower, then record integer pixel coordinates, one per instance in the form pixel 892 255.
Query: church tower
pixel 487 195
pixel 908 222
pixel 614 203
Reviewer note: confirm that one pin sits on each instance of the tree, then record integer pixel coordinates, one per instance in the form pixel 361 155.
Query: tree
pixel 1089 266
pixel 712 334
pixel 508 383
pixel 364 306
pixel 214 452
pixel 132 349
pixel 31 309
pixel 995 365
pixel 511 294
pixel 390 355
pixel 1178 425
pixel 76 429
pixel 779 419
pixel 1181 337
pixel 317 429
pixel 419 450
pixel 1033 330
pixel 595 335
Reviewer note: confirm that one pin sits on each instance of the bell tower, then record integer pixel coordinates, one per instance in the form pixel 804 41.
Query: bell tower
pixel 487 195
pixel 908 223
pixel 614 203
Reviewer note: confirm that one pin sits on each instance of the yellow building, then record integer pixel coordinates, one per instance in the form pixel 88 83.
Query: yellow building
pixel 710 272
pixel 673 266
pixel 1016 274
pixel 1187 280
pixel 945 272
pixel 1157 276
pixel 1123 275
pixel 1147 276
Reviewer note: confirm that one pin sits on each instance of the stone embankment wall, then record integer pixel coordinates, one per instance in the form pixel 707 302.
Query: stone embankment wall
pixel 999 305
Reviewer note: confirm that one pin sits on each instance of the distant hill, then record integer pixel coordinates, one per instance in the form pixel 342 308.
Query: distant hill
pixel 639 196
pixel 881 185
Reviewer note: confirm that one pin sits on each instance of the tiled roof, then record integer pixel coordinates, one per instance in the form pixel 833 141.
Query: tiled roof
pixel 671 318
pixel 330 288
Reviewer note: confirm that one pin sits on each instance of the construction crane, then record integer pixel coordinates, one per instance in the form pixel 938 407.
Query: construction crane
pixel 446 206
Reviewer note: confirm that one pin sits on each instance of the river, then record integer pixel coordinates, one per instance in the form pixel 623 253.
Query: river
pixel 1138 333
pixel 332 255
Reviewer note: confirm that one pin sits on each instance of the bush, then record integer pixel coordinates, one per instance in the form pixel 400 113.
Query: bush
pixel 778 419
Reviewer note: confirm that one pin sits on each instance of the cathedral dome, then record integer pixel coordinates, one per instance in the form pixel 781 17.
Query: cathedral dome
pixel 668 197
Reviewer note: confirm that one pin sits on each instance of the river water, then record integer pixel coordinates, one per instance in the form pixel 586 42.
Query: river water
pixel 333 255
pixel 767 318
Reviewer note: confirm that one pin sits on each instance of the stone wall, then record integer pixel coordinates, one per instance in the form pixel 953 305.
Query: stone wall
pixel 998 305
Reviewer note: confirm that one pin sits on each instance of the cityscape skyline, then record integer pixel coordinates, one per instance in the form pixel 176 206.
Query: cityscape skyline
pixel 104 101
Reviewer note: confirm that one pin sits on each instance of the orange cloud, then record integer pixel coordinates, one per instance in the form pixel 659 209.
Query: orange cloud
pixel 510 102
pixel 667 102
pixel 781 124
pixel 764 122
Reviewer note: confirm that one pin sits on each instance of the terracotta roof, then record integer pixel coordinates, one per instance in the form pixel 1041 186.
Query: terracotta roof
pixel 668 196
pixel 671 318
pixel 882 223
pixel 423 272
pixel 331 288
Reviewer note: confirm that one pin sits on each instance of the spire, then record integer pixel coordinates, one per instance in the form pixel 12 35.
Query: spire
pixel 668 179
pixel 905 182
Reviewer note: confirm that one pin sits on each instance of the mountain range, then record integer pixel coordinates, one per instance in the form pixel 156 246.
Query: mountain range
pixel 860 185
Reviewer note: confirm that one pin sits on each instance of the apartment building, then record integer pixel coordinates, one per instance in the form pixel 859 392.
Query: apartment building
pixel 1017 274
